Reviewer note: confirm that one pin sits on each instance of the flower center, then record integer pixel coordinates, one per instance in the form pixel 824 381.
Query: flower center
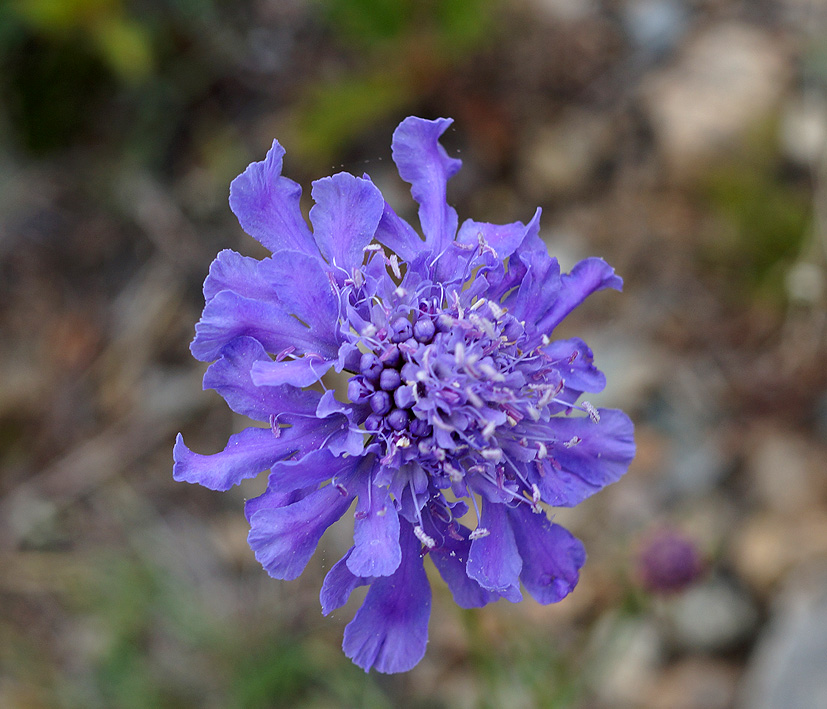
pixel 447 386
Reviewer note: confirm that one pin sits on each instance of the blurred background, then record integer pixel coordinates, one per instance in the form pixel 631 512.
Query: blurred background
pixel 683 140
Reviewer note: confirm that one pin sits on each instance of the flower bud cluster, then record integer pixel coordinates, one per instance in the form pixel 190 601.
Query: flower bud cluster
pixel 385 382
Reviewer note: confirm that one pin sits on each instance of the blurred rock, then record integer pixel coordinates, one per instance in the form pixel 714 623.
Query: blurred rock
pixel 694 683
pixel 655 26
pixel 566 10
pixel 629 652
pixel 689 413
pixel 786 472
pixel 712 617
pixel 767 546
pixel 727 78
pixel 559 158
pixel 787 668
pixel 804 128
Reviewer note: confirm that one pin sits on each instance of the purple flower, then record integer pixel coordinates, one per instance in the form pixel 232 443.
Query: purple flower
pixel 461 418
pixel 668 562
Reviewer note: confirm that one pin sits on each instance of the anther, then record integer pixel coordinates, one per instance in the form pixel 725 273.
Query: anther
pixel 479 533
pixel 424 538
pixel 594 415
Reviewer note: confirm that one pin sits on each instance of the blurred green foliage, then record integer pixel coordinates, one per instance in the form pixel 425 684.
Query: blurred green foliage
pixel 404 48
pixel 766 214
pixel 120 41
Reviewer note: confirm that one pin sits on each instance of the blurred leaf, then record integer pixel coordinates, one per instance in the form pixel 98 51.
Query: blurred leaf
pixel 125 45
pixel 336 112
pixel 62 15
pixel 369 22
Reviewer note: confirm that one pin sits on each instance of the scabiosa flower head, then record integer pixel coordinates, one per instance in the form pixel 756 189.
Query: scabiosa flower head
pixel 668 562
pixel 460 404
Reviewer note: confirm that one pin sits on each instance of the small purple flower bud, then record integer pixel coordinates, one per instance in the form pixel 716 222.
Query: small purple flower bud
pixel 404 396
pixel 390 379
pixel 370 366
pixel 380 402
pixel 373 422
pixel 401 329
pixel 409 371
pixel 669 562
pixel 391 356
pixel 358 390
pixel 398 419
pixel 420 428
pixel 424 330
pixel 444 323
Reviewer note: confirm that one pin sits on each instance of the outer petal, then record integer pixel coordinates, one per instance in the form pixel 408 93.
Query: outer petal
pixel 285 538
pixel 450 559
pixel 588 276
pixel 274 498
pixel 246 455
pixel 423 162
pixel 300 372
pixel 255 449
pixel 375 534
pixel 493 560
pixel 230 377
pixel 267 206
pixel 539 289
pixel 586 457
pixel 474 241
pixel 552 556
pixel 229 315
pixel 576 365
pixel 390 630
pixel 399 236
pixel 339 584
pixel 345 217
pixel 240 274
pixel 316 467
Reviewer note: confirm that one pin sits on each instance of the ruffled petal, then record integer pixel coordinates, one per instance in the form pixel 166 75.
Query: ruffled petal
pixel 586 457
pixel 247 454
pixel 300 372
pixel 284 538
pixel 312 469
pixel 339 584
pixel 375 534
pixel 229 315
pixel 399 236
pixel 390 630
pixel 552 556
pixel 575 363
pixel 274 498
pixel 256 449
pixel 230 377
pixel 450 559
pixel 267 206
pixel 423 162
pixel 240 274
pixel 587 277
pixel 344 218
pixel 539 289
pixel 476 242
pixel 493 560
